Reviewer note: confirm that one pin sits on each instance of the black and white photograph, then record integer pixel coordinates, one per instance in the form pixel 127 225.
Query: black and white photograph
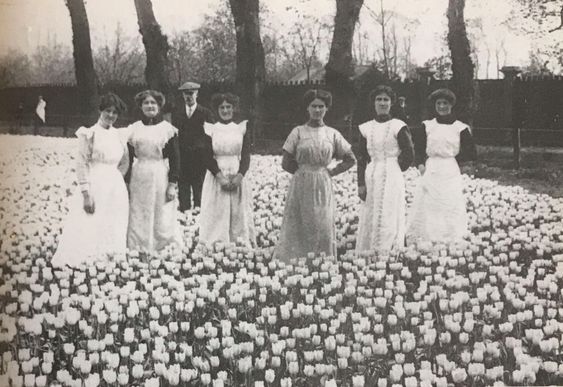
pixel 281 193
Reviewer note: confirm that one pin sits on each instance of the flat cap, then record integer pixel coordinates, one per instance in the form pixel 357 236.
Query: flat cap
pixel 189 86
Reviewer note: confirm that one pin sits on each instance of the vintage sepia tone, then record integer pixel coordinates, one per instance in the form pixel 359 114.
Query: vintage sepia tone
pixel 281 193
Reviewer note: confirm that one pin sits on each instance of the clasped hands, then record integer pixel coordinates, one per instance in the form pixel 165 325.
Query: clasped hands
pixel 230 182
pixel 89 204
pixel 171 191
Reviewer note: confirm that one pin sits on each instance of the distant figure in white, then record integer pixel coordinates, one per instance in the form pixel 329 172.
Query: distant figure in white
pixel 39 119
pixel 96 226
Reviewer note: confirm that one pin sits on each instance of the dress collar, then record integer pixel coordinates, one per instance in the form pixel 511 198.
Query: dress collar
pixel 190 110
pixel 383 118
pixel 447 119
pixel 152 120
pixel 102 127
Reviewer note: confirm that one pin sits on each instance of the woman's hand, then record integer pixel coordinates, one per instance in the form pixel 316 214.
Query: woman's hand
pixel 171 192
pixel 224 182
pixel 347 162
pixel 421 169
pixel 362 192
pixel 89 205
pixel 236 181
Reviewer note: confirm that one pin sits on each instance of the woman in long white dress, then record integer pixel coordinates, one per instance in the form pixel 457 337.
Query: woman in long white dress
pixel 386 151
pixel 97 222
pixel 439 213
pixel 308 219
pixel 154 177
pixel 226 196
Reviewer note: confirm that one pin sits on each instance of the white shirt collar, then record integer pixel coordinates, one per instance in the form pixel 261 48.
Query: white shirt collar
pixel 190 109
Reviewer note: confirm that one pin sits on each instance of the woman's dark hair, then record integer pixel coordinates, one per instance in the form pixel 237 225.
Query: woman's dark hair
pixel 444 93
pixel 112 100
pixel 157 95
pixel 218 98
pixel 313 94
pixel 382 89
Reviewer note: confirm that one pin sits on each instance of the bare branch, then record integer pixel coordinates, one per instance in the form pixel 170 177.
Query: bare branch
pixel 560 25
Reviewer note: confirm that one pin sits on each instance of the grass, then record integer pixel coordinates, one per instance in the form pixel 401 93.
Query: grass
pixel 541 169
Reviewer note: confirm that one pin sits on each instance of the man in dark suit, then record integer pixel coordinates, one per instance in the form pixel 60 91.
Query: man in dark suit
pixel 189 119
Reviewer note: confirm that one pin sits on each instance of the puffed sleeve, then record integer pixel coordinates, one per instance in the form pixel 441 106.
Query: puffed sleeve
pixel 420 140
pixel 208 128
pixel 245 152
pixel 291 141
pixel 406 156
pixel 342 148
pixel 364 128
pixel 85 142
pixel 171 151
pixel 467 148
pixel 125 133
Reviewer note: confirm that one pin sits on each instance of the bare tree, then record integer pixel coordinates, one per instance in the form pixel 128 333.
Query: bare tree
pixel 409 29
pixel 540 19
pixel 359 51
pixel 462 65
pixel 120 60
pixel 383 18
pixel 208 52
pixel 52 63
pixel 500 52
pixel 407 56
pixel 394 51
pixel 15 69
pixel 340 66
pixel 305 40
pixel 83 62
pixel 182 58
pixel 156 47
pixel 546 12
pixel 479 45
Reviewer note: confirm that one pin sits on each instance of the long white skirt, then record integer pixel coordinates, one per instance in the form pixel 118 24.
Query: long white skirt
pixel 152 219
pixel 86 237
pixel 438 211
pixel 382 216
pixel 226 216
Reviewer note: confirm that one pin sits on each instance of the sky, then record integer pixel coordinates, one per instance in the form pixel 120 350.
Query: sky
pixel 25 24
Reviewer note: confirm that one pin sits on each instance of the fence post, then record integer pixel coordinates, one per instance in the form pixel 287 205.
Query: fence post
pixel 425 76
pixel 510 74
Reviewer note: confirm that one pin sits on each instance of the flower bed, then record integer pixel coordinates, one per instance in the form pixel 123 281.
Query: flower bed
pixel 488 311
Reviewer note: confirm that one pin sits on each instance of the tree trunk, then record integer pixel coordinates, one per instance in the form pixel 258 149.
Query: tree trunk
pixel 340 66
pixel 156 47
pixel 462 66
pixel 250 64
pixel 86 79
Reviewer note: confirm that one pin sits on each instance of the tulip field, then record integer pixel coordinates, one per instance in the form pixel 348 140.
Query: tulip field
pixel 488 311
